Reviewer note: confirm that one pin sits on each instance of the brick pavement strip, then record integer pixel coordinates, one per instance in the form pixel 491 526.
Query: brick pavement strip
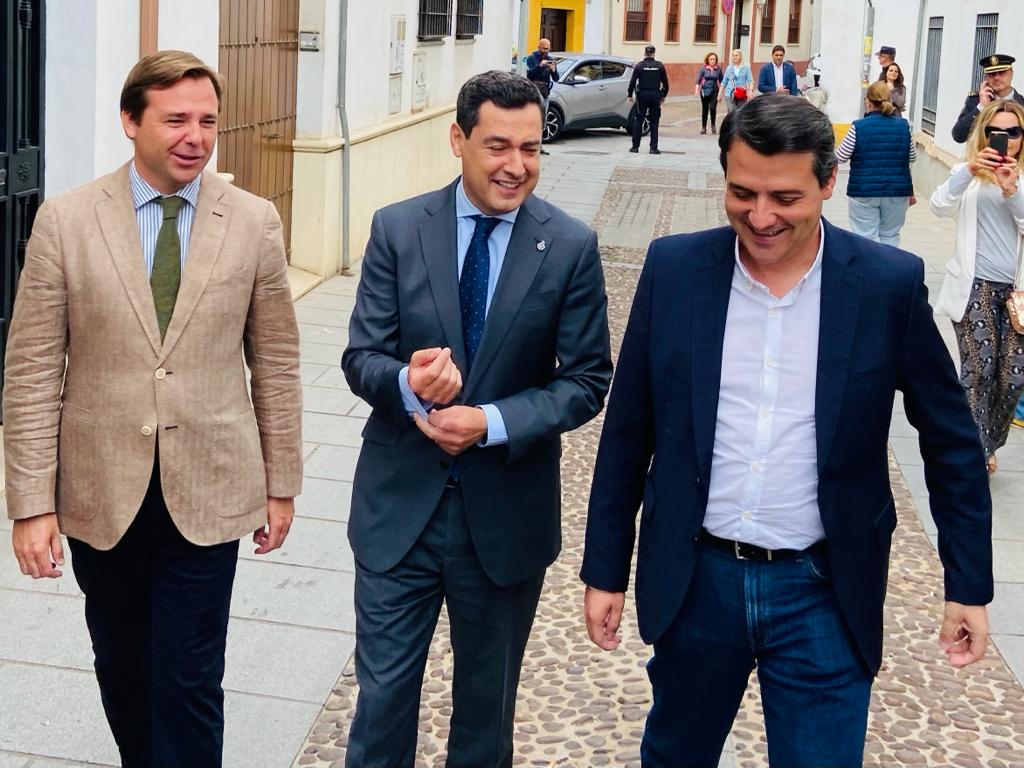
pixel 580 707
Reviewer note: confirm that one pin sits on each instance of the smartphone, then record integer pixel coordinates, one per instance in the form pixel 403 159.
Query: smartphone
pixel 999 141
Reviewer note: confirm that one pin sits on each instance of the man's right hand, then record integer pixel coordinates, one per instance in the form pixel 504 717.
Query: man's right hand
pixel 37 546
pixel 986 95
pixel 603 613
pixel 433 375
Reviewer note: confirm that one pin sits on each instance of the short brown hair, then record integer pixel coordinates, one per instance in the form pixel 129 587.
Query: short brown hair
pixel 162 70
pixel 707 58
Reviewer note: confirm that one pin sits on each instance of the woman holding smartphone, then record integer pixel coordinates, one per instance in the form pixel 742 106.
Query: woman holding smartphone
pixel 984 195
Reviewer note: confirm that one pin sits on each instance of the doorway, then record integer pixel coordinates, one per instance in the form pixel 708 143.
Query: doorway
pixel 22 38
pixel 553 25
pixel 259 57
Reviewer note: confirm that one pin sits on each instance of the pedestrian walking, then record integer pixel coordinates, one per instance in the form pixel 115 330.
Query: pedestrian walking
pixel 897 89
pixel 542 71
pixel 984 195
pixel 737 83
pixel 750 418
pixel 479 336
pixel 147 297
pixel 997 84
pixel 650 84
pixel 778 75
pixel 708 88
pixel 880 149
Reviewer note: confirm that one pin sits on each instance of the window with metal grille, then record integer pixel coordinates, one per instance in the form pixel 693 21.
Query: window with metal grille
pixel 638 20
pixel 933 57
pixel 435 19
pixel 768 23
pixel 672 22
pixel 795 11
pixel 984 43
pixel 469 19
pixel 706 22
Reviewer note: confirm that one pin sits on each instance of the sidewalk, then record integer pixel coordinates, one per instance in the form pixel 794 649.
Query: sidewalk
pixel 290 689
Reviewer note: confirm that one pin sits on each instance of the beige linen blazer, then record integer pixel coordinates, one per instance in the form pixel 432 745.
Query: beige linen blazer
pixel 91 392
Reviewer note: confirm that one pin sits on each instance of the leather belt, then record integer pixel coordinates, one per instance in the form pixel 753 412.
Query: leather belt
pixel 743 551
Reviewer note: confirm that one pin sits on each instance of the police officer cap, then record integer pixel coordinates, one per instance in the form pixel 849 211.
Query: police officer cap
pixel 650 49
pixel 997 62
pixel 886 50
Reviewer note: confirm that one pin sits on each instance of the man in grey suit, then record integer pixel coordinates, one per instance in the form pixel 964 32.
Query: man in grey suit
pixel 480 334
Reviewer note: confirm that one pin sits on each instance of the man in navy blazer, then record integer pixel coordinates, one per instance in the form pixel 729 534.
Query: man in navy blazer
pixel 479 336
pixel 749 417
pixel 778 75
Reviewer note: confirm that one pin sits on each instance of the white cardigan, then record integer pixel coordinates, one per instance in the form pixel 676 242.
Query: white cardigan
pixel 956 287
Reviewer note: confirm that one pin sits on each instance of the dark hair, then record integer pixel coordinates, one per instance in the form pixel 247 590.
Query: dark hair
pixel 504 89
pixel 898 83
pixel 162 69
pixel 778 48
pixel 707 58
pixel 778 123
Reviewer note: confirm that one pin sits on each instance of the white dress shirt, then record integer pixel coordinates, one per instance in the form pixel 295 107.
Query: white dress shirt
pixel 779 81
pixel 763 488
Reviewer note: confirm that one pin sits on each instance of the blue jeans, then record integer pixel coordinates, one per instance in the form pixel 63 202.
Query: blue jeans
pixel 878 218
pixel 1019 413
pixel 782 618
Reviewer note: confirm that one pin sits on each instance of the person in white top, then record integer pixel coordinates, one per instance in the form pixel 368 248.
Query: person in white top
pixel 750 417
pixel 984 194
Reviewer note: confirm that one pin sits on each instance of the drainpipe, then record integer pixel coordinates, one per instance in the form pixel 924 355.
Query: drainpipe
pixel 346 148
pixel 867 75
pixel 608 25
pixel 917 57
pixel 524 30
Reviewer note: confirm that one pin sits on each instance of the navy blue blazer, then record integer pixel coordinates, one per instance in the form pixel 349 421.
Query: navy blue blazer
pixel 877 335
pixel 766 78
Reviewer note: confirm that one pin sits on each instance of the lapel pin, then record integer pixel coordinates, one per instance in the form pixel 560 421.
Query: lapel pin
pixel 541 245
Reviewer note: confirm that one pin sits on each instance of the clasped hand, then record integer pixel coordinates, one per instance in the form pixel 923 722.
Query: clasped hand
pixel 434 377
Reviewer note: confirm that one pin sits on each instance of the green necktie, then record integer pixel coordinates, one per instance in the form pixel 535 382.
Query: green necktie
pixel 166 275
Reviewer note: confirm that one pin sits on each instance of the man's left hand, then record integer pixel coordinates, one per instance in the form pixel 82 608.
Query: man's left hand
pixel 454 429
pixel 964 633
pixel 279 521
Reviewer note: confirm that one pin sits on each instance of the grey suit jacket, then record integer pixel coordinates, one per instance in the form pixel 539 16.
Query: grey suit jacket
pixel 544 361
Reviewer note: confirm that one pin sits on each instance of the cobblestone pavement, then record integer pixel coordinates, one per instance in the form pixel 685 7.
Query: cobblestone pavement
pixel 581 707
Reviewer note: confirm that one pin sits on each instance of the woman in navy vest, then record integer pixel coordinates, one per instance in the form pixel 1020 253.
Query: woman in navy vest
pixel 984 195
pixel 880 150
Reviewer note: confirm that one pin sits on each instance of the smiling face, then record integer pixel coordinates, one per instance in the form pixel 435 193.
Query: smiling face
pixel 774 205
pixel 778 57
pixel 500 157
pixel 892 73
pixel 175 136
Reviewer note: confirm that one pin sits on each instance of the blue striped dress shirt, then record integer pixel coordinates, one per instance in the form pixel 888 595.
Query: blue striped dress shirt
pixel 149 214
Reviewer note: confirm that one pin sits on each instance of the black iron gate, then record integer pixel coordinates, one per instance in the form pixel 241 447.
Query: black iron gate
pixel 22 43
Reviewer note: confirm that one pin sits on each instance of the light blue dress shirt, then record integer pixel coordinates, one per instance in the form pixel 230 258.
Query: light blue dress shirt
pixel 149 214
pixel 497 245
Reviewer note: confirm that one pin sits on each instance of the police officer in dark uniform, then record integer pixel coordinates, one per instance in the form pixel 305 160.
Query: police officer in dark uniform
pixel 998 84
pixel 650 82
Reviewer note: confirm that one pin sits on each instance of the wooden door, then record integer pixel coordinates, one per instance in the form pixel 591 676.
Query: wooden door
pixel 259 61
pixel 22 39
pixel 553 23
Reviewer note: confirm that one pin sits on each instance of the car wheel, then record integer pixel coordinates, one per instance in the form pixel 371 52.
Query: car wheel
pixel 553 125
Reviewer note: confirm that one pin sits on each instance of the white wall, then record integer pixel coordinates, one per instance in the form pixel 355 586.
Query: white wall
pixel 595 39
pixel 190 25
pixel 841 55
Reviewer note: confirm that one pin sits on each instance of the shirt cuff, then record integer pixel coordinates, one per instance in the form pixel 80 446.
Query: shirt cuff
pixel 410 399
pixel 496 432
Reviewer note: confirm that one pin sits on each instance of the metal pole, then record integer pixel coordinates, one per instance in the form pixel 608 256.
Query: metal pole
pixel 346 149
pixel 869 31
pixel 524 30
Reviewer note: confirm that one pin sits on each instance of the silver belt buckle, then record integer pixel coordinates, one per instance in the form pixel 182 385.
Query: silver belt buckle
pixel 736 549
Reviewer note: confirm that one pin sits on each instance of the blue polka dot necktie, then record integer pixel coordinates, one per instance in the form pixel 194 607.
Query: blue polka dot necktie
pixel 473 285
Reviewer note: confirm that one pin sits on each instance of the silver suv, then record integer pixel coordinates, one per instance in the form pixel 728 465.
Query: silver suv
pixel 590 93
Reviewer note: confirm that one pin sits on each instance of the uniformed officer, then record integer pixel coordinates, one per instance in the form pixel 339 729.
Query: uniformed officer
pixel 998 69
pixel 886 55
pixel 650 82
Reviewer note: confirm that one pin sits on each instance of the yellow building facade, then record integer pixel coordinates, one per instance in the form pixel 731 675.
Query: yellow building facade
pixel 560 21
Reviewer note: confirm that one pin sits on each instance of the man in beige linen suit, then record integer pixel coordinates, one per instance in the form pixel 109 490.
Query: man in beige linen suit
pixel 128 424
